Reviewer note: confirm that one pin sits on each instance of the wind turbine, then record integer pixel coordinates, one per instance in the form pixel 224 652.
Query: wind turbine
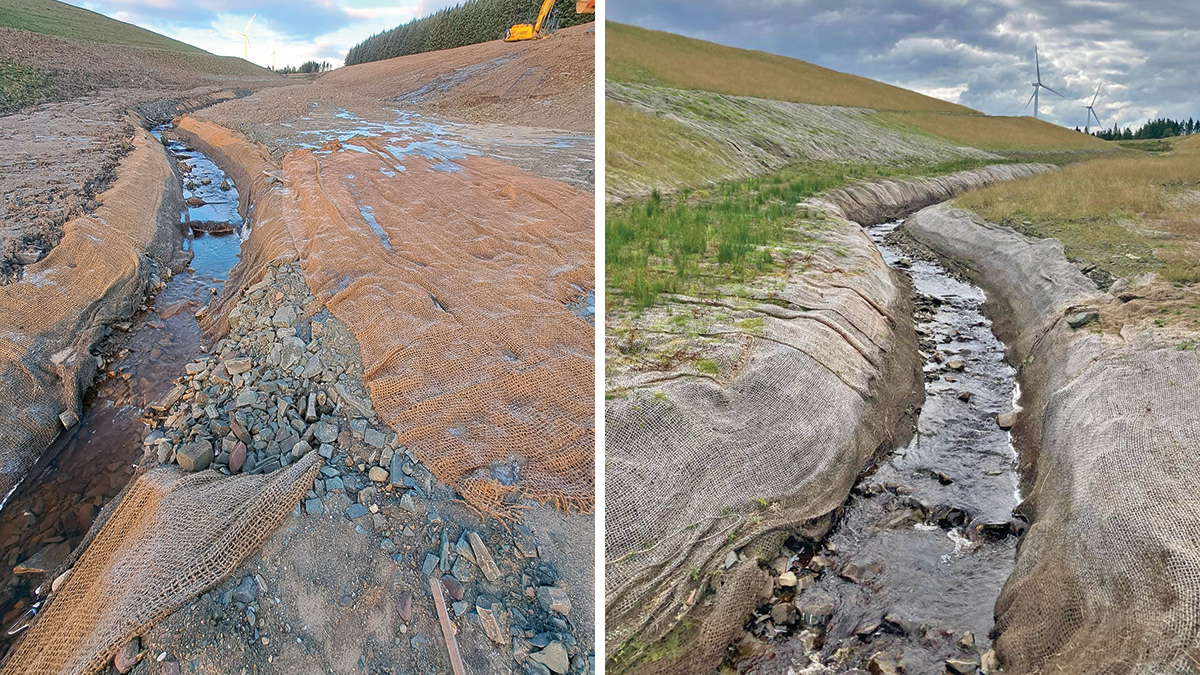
pixel 246 49
pixel 272 53
pixel 1038 85
pixel 1091 112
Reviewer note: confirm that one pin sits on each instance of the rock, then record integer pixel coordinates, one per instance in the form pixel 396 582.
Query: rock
pixel 967 641
pixel 1118 286
pixel 47 559
pixel 787 579
pixel 1006 420
pixel 989 664
pixel 1081 319
pixel 58 582
pixel 815 608
pixel 453 587
pixel 858 574
pixel 483 557
pixel 68 418
pixel 488 611
pixel 378 474
pixel 284 317
pixel 356 511
pixel 300 449
pixel 554 657
pixel 239 431
pixel 554 599
pixel 237 457
pixel 246 592
pixel 404 606
pixel 195 456
pixel 956 364
pixel 430 564
pixel 325 432
pixel 237 366
pixel 406 503
pixel 373 437
pixel 882 664
pixel 246 398
pixel 963 665
pixel 964 396
pixel 128 657
pixel 195 201
pixel 782 614
pixel 313 507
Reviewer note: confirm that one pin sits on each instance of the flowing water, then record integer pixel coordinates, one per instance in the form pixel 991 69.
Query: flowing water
pixel 927 540
pixel 89 464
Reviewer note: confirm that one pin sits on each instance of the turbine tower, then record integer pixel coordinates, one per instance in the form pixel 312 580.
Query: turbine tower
pixel 1091 112
pixel 1038 85
pixel 246 49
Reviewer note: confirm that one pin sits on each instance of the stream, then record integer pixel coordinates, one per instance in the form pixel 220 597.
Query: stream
pixel 86 466
pixel 913 567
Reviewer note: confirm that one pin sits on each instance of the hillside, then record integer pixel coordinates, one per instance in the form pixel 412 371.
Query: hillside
pixel 664 59
pixel 56 18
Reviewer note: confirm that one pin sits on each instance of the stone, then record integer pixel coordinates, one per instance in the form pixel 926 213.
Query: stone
pixel 378 474
pixel 313 507
pixel 246 591
pixel 453 587
pixel 237 457
pixel 284 317
pixel 815 608
pixel 356 511
pixel 782 614
pixel 1081 319
pixel 554 599
pixel 483 557
pixel 989 664
pixel 964 396
pixel 404 606
pixel 373 437
pixel 195 456
pixel 967 641
pixel 325 432
pixel 955 364
pixel 554 657
pixel 128 657
pixel 68 418
pixel 407 503
pixel 882 664
pixel 1006 420
pixel 300 449
pixel 238 366
pixel 787 579
pixel 858 574
pixel 963 665
pixel 246 398
pixel 488 611
pixel 430 564
pixel 47 559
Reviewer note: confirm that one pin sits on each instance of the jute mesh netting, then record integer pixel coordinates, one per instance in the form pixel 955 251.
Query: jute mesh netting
pixel 51 318
pixel 455 279
pixel 1107 578
pixel 170 537
pixel 688 456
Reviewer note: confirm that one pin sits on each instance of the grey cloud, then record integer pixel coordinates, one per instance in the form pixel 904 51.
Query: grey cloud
pixel 1143 54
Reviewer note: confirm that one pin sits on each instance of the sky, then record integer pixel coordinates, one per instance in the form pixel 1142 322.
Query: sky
pixel 320 30
pixel 1144 55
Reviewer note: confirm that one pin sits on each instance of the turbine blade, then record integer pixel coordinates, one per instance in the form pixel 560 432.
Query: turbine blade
pixel 1097 94
pixel 250 21
pixel 1030 100
pixel 1097 118
pixel 1038 64
pixel 1051 91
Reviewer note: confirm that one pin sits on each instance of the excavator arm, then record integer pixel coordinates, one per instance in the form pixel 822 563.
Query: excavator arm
pixel 547 5
pixel 528 31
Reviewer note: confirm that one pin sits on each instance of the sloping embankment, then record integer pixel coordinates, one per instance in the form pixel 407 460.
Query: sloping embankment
pixel 1108 574
pixel 707 474
pixel 98 274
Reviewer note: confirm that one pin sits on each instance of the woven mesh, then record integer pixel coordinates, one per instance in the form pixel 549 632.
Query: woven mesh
pixel 172 536
pixel 469 349
pixel 51 318
pixel 1107 578
pixel 820 392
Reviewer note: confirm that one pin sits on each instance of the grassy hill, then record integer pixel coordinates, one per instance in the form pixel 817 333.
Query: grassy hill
pixel 56 18
pixel 653 57
pixel 996 133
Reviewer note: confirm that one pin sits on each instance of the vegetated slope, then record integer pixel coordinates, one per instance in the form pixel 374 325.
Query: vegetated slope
pixel 654 57
pixel 1189 144
pixel 57 18
pixel 996 133
pixel 470 23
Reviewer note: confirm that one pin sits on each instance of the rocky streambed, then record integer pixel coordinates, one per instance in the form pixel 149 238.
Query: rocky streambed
pixel 905 579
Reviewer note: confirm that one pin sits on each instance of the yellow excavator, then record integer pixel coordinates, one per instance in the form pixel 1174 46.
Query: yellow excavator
pixel 539 28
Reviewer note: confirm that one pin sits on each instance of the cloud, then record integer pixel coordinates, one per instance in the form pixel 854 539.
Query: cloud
pixel 975 52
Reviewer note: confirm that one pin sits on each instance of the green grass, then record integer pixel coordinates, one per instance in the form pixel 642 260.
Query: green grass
pixel 635 54
pixel 20 85
pixel 56 18
pixel 693 242
pixel 643 148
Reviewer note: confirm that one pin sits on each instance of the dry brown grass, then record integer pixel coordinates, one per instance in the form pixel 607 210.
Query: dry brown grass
pixel 653 57
pixel 996 133
pixel 1125 214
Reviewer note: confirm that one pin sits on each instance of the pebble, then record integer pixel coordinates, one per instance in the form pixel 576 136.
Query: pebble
pixel 128 657
pixel 378 474
pixel 404 606
pixel 554 657
pixel 195 456
pixel 554 599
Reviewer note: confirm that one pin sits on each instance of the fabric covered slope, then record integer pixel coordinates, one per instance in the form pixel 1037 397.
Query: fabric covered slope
pixel 1108 574
pixel 692 459
pixel 98 274
pixel 171 536
pixel 456 279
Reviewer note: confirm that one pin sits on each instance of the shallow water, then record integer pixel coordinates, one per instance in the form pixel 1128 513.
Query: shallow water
pixel 913 522
pixel 88 465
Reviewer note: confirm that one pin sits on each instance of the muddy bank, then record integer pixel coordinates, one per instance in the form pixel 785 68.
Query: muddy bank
pixel 98 275
pixel 1104 577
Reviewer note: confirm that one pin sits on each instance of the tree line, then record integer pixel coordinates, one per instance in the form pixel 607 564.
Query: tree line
pixel 1156 128
pixel 306 67
pixel 469 23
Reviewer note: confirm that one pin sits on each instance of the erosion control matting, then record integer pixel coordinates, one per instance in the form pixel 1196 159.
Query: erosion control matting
pixel 53 316
pixel 172 536
pixel 455 274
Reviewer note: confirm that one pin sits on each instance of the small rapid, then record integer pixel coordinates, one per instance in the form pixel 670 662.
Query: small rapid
pixel 907 579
